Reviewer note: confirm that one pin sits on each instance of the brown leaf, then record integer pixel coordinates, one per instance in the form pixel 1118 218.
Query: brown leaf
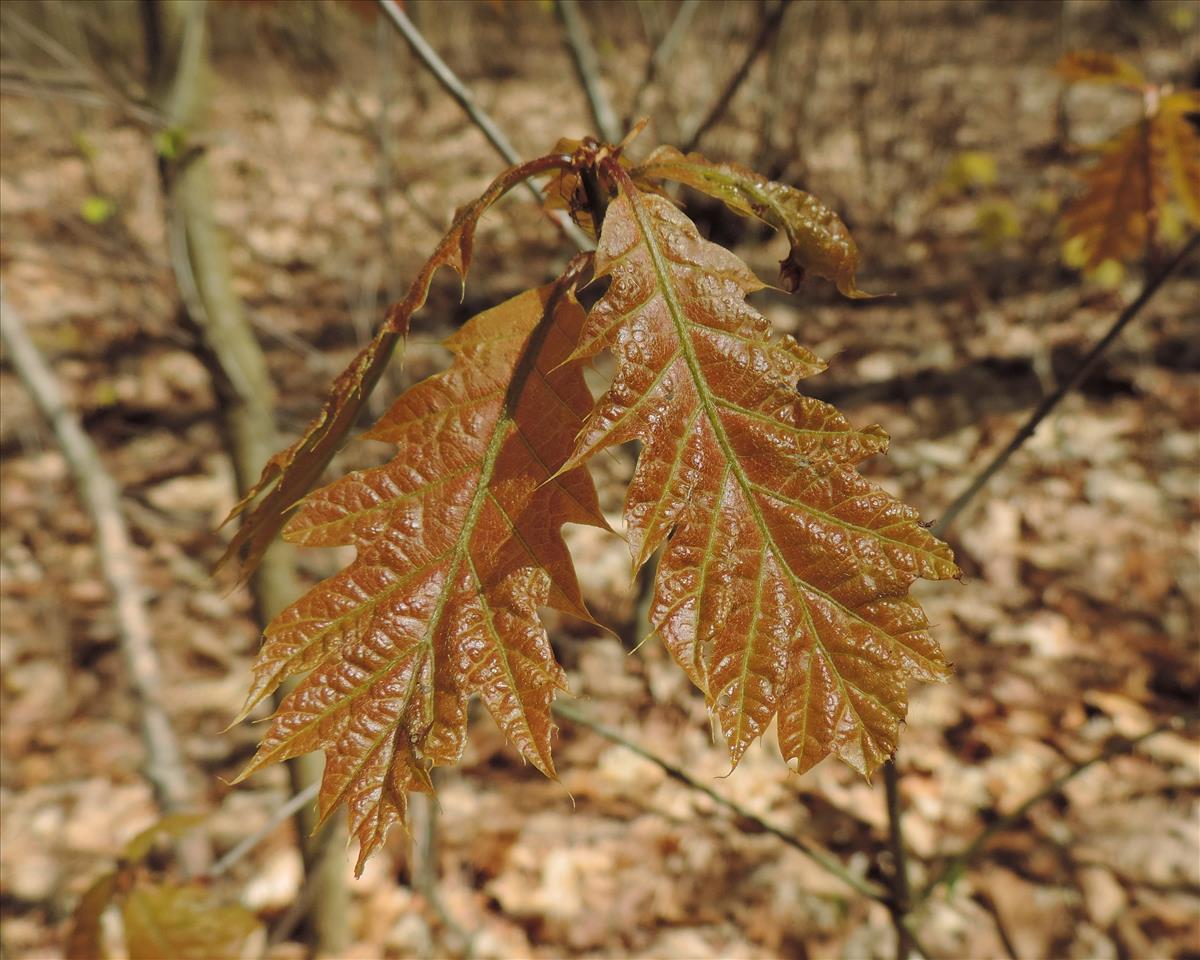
pixel 459 544
pixel 1123 190
pixel 169 922
pixel 291 473
pixel 1181 149
pixel 820 242
pixel 1093 66
pixel 783 587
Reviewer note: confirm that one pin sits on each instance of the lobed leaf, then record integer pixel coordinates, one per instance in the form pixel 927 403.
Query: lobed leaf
pixel 458 544
pixel 820 242
pixel 292 472
pixel 1093 66
pixel 782 590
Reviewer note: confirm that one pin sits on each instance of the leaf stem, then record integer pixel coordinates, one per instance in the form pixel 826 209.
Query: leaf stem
pixel 816 854
pixel 1043 410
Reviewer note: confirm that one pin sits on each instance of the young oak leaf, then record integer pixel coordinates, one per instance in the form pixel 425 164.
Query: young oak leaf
pixel 458 545
pixel 1096 66
pixel 1117 214
pixel 782 589
pixel 820 242
pixel 292 472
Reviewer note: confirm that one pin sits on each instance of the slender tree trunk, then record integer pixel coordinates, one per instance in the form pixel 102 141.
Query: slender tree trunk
pixel 176 51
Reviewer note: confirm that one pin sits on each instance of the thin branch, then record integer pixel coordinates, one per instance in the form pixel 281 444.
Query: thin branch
pixel 465 99
pixel 815 853
pixel 901 901
pixel 770 24
pixel 1076 377
pixel 289 809
pixel 101 499
pixel 960 861
pixel 587 65
pixel 662 56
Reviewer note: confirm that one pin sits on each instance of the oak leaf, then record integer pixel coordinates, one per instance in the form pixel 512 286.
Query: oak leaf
pixel 292 472
pixel 1096 66
pixel 458 544
pixel 1117 215
pixel 783 586
pixel 820 242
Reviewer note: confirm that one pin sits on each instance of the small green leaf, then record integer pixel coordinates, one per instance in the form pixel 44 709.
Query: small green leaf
pixel 97 209
pixel 169 143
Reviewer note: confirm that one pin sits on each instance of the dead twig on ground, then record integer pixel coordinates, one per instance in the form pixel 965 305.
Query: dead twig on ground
pixel 164 765
pixel 587 65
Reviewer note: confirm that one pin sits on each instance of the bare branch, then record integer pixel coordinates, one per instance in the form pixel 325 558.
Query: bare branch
pixel 587 65
pixel 901 901
pixel 1077 376
pixel 289 809
pixel 818 855
pixel 458 90
pixel 770 23
pixel 662 56
pixel 101 499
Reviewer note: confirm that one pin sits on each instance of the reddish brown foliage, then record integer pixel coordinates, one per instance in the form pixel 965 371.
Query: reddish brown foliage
pixel 782 590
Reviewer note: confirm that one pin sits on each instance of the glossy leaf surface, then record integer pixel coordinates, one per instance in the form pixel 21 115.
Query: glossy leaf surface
pixel 458 545
pixel 292 472
pixel 820 242
pixel 783 587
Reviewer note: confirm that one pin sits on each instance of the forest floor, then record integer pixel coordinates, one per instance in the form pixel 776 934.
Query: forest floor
pixel 1075 624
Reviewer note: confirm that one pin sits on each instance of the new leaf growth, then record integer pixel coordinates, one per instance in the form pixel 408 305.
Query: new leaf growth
pixel 783 585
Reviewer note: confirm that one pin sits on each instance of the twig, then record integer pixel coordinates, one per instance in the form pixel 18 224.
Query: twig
pixel 770 24
pixel 901 900
pixel 301 799
pixel 806 847
pixel 587 65
pixel 662 56
pixel 961 860
pixel 101 499
pixel 465 99
pixel 1076 377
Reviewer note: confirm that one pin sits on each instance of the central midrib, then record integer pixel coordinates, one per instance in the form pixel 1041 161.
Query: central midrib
pixel 666 285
